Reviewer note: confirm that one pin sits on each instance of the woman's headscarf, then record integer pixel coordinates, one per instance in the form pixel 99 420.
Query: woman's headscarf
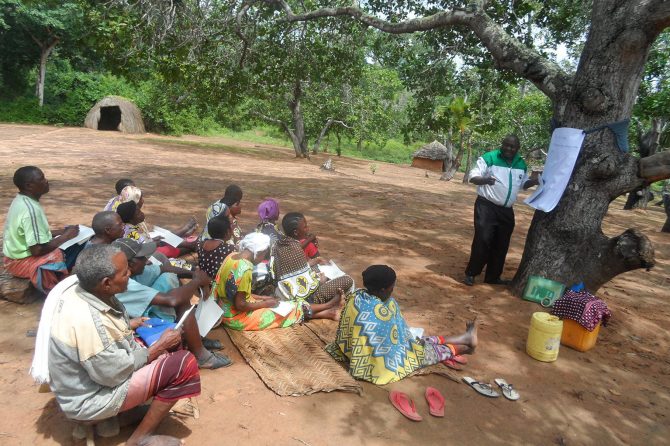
pixel 255 242
pixel 268 210
pixel 131 193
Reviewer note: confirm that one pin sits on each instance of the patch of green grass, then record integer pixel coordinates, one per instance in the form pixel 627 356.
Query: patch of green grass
pixel 260 135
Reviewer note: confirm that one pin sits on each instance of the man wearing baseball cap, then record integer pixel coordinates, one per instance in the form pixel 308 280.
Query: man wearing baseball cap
pixel 168 304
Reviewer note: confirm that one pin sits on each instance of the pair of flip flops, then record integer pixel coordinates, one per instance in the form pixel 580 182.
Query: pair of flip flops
pixel 456 362
pixel 485 389
pixel 406 406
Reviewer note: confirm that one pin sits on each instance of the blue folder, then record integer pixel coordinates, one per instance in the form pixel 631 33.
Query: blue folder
pixel 153 329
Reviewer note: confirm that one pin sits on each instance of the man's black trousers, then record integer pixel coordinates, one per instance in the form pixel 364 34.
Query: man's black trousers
pixel 493 229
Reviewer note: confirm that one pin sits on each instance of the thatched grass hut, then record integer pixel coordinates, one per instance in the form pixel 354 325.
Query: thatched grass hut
pixel 432 156
pixel 115 113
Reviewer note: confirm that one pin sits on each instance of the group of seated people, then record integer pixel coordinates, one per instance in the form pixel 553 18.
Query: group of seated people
pixel 96 366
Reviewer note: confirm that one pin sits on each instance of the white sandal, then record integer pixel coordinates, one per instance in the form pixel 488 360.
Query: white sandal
pixel 508 390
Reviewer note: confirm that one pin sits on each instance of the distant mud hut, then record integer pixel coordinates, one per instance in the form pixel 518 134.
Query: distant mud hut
pixel 432 156
pixel 115 113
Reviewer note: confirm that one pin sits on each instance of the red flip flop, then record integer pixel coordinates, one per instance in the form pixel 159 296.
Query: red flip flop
pixel 435 402
pixel 404 405
pixel 452 364
pixel 461 359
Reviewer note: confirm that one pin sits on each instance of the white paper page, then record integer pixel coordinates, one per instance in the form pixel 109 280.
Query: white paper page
pixel 154 261
pixel 85 233
pixel 284 308
pixel 563 152
pixel 417 332
pixel 207 314
pixel 168 237
pixel 332 271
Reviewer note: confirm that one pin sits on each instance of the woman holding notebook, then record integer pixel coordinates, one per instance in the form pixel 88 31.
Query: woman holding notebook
pixel 243 310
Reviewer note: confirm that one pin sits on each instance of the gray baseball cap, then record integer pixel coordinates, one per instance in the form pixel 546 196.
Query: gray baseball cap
pixel 133 249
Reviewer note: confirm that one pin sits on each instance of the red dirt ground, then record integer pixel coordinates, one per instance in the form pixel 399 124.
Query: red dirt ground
pixel 618 393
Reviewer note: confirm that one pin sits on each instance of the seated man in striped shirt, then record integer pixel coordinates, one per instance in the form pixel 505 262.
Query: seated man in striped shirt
pixel 30 248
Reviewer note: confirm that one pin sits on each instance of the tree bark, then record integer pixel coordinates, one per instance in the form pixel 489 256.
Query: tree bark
pixel 299 139
pixel 338 150
pixel 46 48
pixel 455 164
pixel 466 175
pixel 666 206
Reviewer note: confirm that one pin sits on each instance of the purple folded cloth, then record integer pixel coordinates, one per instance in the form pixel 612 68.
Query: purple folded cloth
pixel 583 307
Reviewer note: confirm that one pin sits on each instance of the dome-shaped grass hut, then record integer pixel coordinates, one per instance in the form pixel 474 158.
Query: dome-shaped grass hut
pixel 432 156
pixel 115 113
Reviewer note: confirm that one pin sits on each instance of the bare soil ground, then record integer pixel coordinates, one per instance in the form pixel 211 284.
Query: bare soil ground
pixel 618 393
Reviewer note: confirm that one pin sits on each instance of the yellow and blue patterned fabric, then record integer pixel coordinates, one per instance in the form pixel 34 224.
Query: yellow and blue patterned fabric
pixel 375 340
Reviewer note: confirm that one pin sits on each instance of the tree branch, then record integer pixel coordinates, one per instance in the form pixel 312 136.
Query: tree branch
pixel 508 52
pixel 238 30
pixel 655 167
pixel 279 122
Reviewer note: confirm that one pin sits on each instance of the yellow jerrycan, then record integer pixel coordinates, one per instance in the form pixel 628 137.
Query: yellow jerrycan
pixel 544 337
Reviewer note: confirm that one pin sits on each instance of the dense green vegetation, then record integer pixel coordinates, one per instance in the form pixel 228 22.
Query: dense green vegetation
pixel 356 91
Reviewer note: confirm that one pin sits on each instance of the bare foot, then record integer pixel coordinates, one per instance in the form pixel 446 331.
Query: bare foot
pixel 338 299
pixel 157 440
pixel 188 227
pixel 331 313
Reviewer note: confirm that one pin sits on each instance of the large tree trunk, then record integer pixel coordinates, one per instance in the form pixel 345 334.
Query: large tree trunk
pixel 45 50
pixel 338 150
pixel 298 137
pixel 568 244
pixel 666 206
pixel 455 164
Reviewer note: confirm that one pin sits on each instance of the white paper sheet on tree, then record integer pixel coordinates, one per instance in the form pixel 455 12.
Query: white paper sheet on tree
pixel 168 237
pixel 207 313
pixel 85 233
pixel 563 151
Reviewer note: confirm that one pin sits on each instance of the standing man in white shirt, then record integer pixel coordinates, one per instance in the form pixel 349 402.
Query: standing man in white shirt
pixel 499 175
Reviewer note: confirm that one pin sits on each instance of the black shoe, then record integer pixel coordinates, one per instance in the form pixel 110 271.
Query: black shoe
pixel 469 280
pixel 212 344
pixel 498 282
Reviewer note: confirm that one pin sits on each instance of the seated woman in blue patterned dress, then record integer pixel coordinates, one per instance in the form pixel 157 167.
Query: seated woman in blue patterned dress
pixel 376 342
